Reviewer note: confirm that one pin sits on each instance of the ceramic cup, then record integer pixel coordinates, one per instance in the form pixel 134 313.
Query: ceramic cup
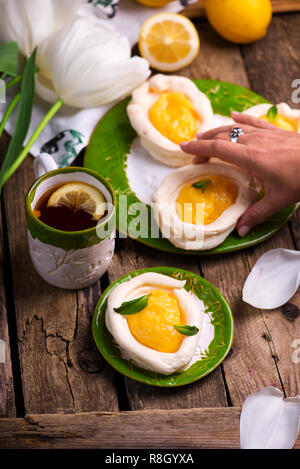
pixel 69 259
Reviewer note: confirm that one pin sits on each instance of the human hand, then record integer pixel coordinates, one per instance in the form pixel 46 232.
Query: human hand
pixel 267 152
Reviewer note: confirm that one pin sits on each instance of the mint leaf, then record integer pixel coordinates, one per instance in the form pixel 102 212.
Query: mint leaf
pixel 201 184
pixel 133 306
pixel 187 330
pixel 272 113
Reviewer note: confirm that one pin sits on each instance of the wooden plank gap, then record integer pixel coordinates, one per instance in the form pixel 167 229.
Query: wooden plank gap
pixel 13 361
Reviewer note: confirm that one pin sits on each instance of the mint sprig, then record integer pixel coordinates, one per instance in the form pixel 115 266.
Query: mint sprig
pixel 133 306
pixel 272 113
pixel 201 184
pixel 187 330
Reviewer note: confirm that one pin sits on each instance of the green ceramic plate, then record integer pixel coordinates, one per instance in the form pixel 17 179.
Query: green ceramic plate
pixel 220 317
pixel 110 144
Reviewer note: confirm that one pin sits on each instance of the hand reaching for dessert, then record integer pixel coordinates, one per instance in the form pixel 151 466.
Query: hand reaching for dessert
pixel 268 152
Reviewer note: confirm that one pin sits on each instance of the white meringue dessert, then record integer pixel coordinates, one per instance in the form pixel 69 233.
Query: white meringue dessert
pixel 168 110
pixel 149 337
pixel 198 206
pixel 284 116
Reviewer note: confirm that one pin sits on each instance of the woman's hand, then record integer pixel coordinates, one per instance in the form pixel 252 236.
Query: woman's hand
pixel 267 152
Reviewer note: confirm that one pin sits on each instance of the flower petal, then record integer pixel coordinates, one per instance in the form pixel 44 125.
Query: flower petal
pixel 100 59
pixel 273 280
pixel 268 421
pixel 28 25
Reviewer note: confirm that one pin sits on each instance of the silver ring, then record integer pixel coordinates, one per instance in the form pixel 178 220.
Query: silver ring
pixel 235 134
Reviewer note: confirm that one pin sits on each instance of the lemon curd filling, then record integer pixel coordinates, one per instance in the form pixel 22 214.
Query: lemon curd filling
pixel 174 116
pixel 283 122
pixel 200 206
pixel 154 325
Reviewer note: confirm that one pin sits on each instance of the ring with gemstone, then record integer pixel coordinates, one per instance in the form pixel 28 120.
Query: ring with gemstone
pixel 235 134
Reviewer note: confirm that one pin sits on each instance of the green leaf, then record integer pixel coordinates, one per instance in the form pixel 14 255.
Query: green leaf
pixel 201 184
pixel 23 119
pixel 9 58
pixel 272 113
pixel 133 306
pixel 187 330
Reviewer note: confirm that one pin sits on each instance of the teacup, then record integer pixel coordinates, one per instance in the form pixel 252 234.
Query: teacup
pixel 69 259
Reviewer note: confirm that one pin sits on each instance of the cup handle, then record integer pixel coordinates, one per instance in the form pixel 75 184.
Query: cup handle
pixel 44 163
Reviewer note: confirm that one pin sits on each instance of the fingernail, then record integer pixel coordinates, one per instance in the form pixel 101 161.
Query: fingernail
pixel 243 230
pixel 200 134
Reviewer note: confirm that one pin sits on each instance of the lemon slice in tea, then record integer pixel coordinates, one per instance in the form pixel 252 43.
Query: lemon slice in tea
pixel 79 196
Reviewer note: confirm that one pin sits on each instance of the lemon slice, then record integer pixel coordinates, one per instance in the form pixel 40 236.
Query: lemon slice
pixel 169 41
pixel 79 196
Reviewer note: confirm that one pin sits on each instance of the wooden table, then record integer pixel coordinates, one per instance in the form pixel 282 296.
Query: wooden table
pixel 56 390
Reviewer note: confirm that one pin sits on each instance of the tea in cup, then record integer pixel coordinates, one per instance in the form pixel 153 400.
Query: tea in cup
pixel 70 216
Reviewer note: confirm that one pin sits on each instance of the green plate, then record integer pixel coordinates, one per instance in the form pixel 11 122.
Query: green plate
pixel 110 144
pixel 215 305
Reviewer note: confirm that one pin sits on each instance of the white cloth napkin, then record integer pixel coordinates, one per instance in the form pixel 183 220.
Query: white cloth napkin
pixel 69 131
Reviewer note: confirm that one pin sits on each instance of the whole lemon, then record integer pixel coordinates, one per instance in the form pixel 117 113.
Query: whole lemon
pixel 240 21
pixel 154 3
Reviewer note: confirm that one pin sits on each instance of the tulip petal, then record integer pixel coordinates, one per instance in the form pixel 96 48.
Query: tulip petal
pixel 88 64
pixel 268 421
pixel 28 25
pixel 273 280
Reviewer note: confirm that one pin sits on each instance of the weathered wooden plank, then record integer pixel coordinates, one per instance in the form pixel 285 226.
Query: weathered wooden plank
pixel 190 428
pixel 203 428
pixel 61 370
pixel 250 366
pixel 272 70
pixel 7 395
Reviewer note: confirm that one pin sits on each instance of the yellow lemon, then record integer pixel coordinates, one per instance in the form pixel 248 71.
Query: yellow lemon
pixel 154 3
pixel 169 41
pixel 240 21
pixel 79 196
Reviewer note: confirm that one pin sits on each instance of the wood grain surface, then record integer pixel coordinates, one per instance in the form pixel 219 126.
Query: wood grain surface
pixel 55 367
pixel 7 396
pixel 189 428
pixel 61 369
pixel 197 9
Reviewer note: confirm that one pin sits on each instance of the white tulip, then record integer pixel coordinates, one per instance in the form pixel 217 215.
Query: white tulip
pixel 29 22
pixel 88 64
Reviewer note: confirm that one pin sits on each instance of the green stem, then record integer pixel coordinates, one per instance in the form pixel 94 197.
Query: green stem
pixel 8 112
pixel 11 82
pixel 55 108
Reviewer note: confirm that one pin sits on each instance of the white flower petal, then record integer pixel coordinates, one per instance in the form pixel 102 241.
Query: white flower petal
pixel 273 280
pixel 28 24
pixel 268 421
pixel 89 64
